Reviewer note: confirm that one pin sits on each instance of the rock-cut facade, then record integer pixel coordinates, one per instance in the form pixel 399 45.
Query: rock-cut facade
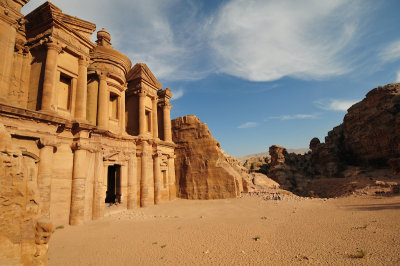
pixel 91 129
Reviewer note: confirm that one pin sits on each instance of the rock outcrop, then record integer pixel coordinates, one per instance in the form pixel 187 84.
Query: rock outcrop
pixel 371 128
pixel 23 236
pixel 257 164
pixel 203 170
pixel 368 137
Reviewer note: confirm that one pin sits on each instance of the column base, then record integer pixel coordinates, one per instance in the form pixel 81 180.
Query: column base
pixel 48 112
pixel 81 121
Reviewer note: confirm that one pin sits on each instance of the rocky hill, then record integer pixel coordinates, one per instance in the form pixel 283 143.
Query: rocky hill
pixel 368 140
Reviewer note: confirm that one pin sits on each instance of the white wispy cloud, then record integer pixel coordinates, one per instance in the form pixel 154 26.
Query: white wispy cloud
pixel 398 76
pixel 296 116
pixel 257 40
pixel 334 104
pixel 176 94
pixel 391 52
pixel 149 31
pixel 248 125
pixel 263 40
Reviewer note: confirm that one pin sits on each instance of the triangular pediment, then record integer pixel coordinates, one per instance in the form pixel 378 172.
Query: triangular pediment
pixel 45 15
pixel 141 71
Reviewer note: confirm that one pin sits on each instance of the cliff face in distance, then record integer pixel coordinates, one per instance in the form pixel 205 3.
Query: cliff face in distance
pixel 371 128
pixel 368 138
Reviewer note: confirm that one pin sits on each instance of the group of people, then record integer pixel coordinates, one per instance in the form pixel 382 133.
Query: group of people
pixel 275 196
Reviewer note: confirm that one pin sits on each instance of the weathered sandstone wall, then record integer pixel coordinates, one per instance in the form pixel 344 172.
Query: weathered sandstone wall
pixel 202 168
pixel 23 235
pixel 371 128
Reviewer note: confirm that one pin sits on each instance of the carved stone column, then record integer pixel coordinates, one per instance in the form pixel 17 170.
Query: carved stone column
pixel 171 177
pixel 77 210
pixel 122 112
pixel 49 80
pixel 25 76
pixel 146 192
pixel 155 117
pixel 132 181
pixel 167 122
pixel 104 98
pixel 7 44
pixel 81 91
pixel 45 172
pixel 98 197
pixel 142 112
pixel 157 178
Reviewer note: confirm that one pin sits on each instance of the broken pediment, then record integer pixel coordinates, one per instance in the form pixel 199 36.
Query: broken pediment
pixel 48 15
pixel 141 72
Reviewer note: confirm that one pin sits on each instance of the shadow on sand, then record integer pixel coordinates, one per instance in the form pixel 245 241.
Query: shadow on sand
pixel 375 207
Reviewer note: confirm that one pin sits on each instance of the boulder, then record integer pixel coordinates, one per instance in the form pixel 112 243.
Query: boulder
pixel 264 182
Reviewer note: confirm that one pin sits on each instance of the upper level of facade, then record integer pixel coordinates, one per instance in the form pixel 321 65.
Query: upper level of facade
pixel 49 65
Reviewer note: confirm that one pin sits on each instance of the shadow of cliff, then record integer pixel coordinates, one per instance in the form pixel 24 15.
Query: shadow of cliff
pixel 375 207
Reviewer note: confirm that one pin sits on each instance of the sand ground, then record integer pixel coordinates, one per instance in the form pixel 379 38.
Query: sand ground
pixel 243 231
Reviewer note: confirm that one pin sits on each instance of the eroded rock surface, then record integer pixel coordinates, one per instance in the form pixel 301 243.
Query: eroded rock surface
pixel 371 128
pixel 203 169
pixel 23 236
pixel 368 138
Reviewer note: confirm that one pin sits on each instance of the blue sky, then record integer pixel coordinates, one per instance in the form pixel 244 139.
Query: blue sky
pixel 258 72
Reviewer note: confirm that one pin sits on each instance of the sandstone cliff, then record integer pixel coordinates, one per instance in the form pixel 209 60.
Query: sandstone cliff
pixel 368 138
pixel 203 169
pixel 371 128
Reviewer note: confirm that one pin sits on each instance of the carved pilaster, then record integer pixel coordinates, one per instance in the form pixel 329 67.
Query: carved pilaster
pixel 155 117
pixel 49 80
pixel 171 176
pixel 167 121
pixel 79 176
pixel 104 98
pixel 142 112
pixel 81 91
pixel 45 173
pixel 157 177
pixel 132 201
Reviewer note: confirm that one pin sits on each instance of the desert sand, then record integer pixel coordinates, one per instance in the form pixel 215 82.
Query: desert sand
pixel 244 231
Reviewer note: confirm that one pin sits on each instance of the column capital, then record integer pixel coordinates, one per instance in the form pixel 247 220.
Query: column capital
pixel 167 106
pixel 142 93
pixel 48 141
pixel 171 156
pixel 54 46
pixel 157 154
pixel 102 75
pixel 83 61
pixel 78 145
pixel 130 153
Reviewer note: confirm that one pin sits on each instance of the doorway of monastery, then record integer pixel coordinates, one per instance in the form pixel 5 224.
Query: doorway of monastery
pixel 113 193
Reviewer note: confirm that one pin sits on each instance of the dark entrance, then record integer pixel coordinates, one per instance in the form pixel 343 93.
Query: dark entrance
pixel 113 193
